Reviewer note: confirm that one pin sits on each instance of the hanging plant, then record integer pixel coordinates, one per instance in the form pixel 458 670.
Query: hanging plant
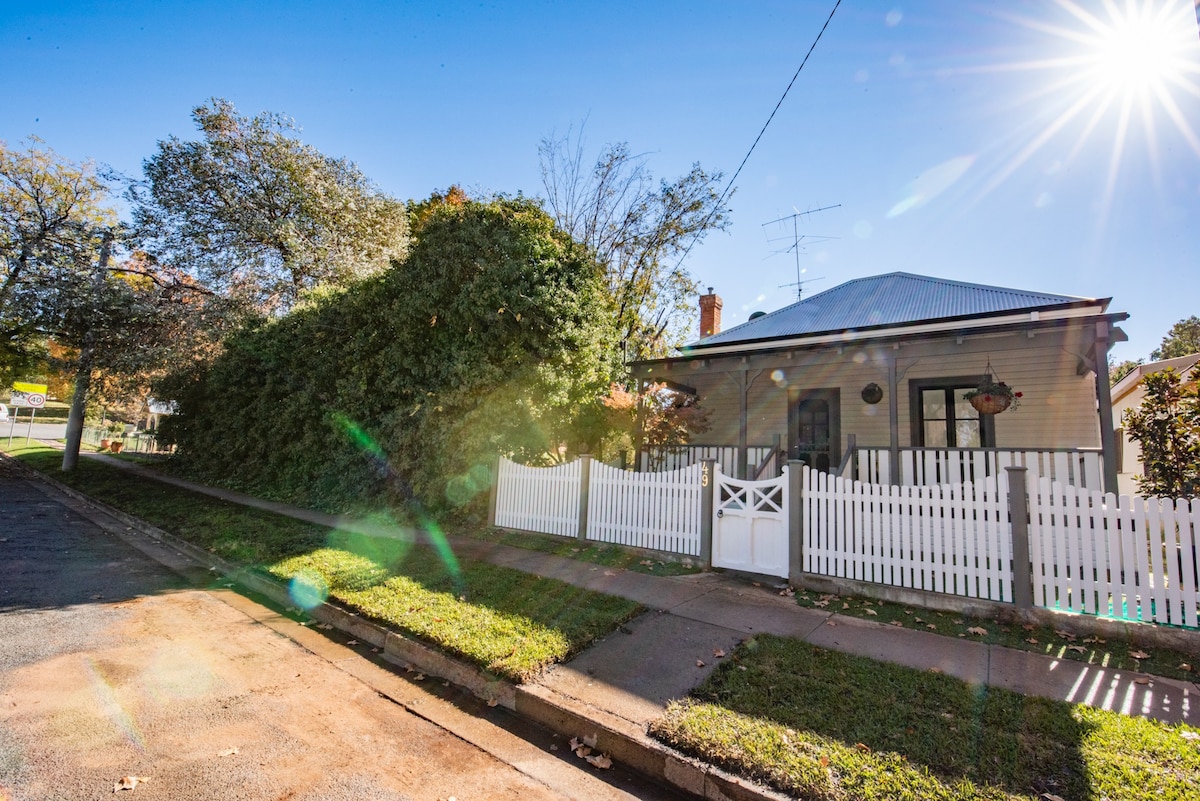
pixel 993 396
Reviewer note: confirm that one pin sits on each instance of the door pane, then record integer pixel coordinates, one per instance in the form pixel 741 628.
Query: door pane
pixel 935 434
pixel 933 404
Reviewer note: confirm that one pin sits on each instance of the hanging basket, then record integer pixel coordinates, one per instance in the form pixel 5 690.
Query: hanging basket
pixel 990 404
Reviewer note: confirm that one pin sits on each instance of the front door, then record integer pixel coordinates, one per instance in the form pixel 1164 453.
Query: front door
pixel 814 432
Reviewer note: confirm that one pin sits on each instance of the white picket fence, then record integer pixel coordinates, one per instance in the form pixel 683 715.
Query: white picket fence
pixel 544 499
pixel 658 511
pixel 950 539
pixel 1131 558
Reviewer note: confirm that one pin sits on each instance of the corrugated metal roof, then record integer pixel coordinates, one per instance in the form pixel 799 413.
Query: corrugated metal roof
pixel 885 300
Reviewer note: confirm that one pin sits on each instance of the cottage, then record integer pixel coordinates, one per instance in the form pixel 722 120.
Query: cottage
pixel 872 378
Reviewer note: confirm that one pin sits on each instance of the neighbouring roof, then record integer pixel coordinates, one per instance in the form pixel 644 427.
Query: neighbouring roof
pixel 890 300
pixel 1181 364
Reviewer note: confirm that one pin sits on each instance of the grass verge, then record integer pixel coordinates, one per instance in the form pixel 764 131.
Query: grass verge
pixel 592 553
pixel 500 619
pixel 1112 653
pixel 824 725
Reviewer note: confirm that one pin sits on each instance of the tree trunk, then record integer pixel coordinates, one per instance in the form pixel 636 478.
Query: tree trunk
pixel 83 373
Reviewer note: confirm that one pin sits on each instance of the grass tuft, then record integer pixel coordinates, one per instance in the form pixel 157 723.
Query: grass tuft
pixel 824 725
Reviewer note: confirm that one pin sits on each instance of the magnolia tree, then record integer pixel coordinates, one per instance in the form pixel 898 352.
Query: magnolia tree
pixel 1167 426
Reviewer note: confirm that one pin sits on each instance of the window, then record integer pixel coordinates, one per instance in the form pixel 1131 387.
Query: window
pixel 943 418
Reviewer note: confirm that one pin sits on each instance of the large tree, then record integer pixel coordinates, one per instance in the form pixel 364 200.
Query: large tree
pixel 639 229
pixel 63 281
pixel 1183 339
pixel 490 337
pixel 52 213
pixel 257 214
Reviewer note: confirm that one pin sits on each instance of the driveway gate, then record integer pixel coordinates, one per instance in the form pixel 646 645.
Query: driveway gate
pixel 750 525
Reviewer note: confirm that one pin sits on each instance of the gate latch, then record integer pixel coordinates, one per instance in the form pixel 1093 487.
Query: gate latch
pixel 720 513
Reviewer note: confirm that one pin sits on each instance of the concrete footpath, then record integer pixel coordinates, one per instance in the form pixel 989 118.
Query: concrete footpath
pixel 620 684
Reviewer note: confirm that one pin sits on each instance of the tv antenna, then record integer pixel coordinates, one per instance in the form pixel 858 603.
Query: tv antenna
pixel 796 239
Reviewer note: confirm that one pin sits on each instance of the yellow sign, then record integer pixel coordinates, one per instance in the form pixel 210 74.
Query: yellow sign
pixel 30 389
pixel 31 395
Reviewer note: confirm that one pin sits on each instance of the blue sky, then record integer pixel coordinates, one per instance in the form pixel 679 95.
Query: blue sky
pixel 986 142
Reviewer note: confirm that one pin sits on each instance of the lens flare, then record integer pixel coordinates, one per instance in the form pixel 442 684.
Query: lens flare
pixel 308 589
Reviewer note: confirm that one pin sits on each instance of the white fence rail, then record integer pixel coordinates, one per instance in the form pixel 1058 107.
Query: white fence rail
pixel 543 499
pixel 1130 558
pixel 950 539
pixel 927 466
pixel 660 511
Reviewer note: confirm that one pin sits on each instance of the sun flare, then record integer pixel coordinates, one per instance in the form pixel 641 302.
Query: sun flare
pixel 1119 73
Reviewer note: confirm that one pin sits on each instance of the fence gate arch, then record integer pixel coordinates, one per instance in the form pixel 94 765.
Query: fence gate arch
pixel 750 525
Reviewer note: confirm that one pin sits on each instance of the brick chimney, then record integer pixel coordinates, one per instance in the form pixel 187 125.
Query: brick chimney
pixel 710 314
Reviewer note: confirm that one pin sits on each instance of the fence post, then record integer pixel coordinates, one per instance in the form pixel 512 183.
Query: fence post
pixel 708 477
pixel 794 470
pixel 1018 515
pixel 494 492
pixel 585 481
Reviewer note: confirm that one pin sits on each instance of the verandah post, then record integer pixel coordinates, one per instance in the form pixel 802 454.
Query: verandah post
pixel 585 481
pixel 708 476
pixel 1018 515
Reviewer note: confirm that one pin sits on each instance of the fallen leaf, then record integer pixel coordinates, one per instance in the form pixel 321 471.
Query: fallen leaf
pixel 872 612
pixel 1141 680
pixel 492 702
pixel 601 761
pixel 908 611
pixel 896 623
pixel 862 747
pixel 582 752
pixel 845 605
pixel 1029 627
pixel 699 663
pixel 1184 666
pixel 130 782
pixel 756 584
pixel 980 630
pixel 787 592
pixel 609 573
pixel 647 562
pixel 821 603
pixel 352 642
pixel 1079 649
pixel 718 653
pixel 918 620
pixel 419 677
pixel 1051 797
pixel 575 743
pixel 1032 641
pixel 1139 654
pixel 590 740
pixel 324 626
pixel 228 752
pixel 931 626
pixel 824 761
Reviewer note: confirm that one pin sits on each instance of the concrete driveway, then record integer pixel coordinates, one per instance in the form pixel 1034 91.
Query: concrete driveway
pixel 113 666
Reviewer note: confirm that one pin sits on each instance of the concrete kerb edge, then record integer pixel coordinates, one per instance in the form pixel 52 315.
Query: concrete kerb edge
pixel 626 743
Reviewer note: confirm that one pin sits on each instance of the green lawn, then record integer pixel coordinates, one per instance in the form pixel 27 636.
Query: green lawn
pixel 825 725
pixel 503 620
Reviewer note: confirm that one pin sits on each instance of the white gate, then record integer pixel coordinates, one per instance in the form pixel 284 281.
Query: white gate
pixel 750 525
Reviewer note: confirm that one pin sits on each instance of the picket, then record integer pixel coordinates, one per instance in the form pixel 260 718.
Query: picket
pixel 538 499
pixel 657 511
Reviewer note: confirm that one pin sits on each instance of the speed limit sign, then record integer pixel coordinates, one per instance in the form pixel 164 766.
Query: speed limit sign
pixel 35 400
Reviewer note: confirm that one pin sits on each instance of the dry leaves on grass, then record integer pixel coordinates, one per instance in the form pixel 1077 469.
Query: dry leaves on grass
pixel 978 630
pixel 1139 654
pixel 129 783
pixel 870 611
pixel 718 652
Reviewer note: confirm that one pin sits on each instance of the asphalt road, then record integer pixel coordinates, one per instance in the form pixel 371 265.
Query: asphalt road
pixel 112 665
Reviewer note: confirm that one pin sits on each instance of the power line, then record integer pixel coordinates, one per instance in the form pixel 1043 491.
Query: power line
pixel 783 97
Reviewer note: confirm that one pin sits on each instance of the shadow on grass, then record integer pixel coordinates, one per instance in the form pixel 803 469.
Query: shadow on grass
pixel 957 731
